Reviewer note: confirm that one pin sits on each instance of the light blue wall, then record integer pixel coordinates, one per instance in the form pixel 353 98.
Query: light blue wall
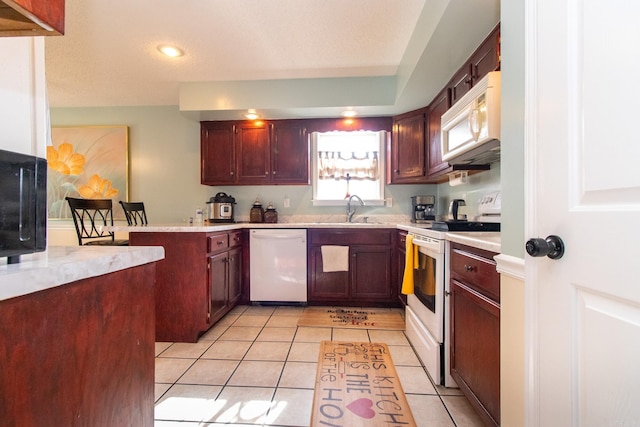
pixel 512 144
pixel 164 161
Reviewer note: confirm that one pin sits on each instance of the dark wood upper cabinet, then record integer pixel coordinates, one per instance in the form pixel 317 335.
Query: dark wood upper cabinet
pixel 253 153
pixel 415 151
pixel 407 160
pixel 289 153
pixel 217 155
pixel 487 57
pixel 31 18
pixel 439 105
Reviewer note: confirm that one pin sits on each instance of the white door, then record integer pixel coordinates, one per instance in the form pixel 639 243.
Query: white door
pixel 582 112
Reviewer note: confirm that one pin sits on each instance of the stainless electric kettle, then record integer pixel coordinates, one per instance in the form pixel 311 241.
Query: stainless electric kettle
pixel 454 208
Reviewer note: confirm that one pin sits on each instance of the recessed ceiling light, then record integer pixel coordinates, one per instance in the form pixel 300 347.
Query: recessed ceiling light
pixel 251 114
pixel 171 51
pixel 349 113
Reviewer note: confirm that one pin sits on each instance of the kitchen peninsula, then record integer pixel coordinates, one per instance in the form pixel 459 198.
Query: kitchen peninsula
pixel 77 328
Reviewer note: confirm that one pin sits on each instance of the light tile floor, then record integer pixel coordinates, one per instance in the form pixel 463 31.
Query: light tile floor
pixel 257 367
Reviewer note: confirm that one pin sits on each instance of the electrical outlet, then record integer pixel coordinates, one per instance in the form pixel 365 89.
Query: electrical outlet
pixel 389 202
pixel 287 202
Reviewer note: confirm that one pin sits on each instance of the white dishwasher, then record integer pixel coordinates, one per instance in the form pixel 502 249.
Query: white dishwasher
pixel 278 265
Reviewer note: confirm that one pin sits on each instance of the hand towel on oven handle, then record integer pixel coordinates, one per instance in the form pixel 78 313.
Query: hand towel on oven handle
pixel 411 263
pixel 335 258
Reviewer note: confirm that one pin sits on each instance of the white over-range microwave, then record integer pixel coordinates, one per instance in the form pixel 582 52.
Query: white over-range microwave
pixel 471 127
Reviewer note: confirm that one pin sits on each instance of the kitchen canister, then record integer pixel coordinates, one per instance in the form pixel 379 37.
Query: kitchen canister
pixel 271 215
pixel 256 214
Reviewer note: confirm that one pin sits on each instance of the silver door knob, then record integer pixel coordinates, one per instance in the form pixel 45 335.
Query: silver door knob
pixel 552 247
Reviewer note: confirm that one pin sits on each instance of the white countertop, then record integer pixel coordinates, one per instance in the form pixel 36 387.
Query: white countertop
pixel 487 240
pixel 482 240
pixel 65 264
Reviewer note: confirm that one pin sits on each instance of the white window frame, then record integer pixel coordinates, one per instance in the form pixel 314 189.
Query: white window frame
pixel 383 135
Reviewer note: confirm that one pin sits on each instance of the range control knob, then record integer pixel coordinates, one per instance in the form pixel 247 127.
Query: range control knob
pixel 552 247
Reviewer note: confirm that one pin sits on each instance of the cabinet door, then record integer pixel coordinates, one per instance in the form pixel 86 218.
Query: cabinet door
pixel 487 57
pixel 475 349
pixel 253 153
pixel 218 286
pixel 435 164
pixel 324 286
pixel 235 276
pixel 370 268
pixel 289 153
pixel 408 149
pixel 217 154
pixel 460 84
pixel 401 258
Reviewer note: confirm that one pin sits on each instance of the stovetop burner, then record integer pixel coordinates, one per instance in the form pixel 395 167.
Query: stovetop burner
pixel 465 226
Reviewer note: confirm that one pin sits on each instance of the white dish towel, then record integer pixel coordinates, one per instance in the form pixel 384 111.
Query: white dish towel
pixel 335 258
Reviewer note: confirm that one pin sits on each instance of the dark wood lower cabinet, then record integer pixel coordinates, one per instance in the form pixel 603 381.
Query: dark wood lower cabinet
pixel 80 354
pixel 371 273
pixel 475 329
pixel 198 282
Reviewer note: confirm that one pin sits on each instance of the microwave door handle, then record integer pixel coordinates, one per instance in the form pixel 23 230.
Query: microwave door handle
pixel 473 120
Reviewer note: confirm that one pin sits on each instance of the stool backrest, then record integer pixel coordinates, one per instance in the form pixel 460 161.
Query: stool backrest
pixel 89 218
pixel 135 213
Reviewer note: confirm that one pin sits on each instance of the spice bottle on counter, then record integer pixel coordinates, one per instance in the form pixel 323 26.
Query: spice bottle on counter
pixel 257 212
pixel 271 215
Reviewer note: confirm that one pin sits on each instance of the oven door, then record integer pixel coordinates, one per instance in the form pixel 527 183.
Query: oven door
pixel 427 301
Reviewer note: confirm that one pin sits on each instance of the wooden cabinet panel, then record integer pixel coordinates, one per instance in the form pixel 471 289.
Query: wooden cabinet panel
pixel 80 354
pixel 343 236
pixel 460 83
pixel 477 270
pixel 440 104
pixel 290 153
pixel 475 356
pixel 193 281
pixel 372 268
pixel 235 277
pixel 218 286
pixel 323 286
pixel 475 329
pixel 400 262
pixel 371 272
pixel 407 162
pixel 32 18
pixel 487 57
pixel 217 155
pixel 253 153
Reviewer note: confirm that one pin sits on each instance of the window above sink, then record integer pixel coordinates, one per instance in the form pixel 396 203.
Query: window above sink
pixel 348 163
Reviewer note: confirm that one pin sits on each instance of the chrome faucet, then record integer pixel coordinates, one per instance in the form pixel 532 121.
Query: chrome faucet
pixel 350 212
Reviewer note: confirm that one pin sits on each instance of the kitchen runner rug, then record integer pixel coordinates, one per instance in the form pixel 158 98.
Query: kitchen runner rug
pixel 356 318
pixel 357 385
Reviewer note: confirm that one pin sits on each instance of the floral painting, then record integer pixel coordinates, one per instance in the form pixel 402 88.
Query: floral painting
pixel 89 162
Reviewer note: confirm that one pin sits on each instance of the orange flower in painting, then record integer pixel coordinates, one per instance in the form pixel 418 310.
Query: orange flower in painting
pixel 98 188
pixel 65 160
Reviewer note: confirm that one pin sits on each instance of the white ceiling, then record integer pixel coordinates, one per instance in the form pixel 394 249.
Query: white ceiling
pixel 286 58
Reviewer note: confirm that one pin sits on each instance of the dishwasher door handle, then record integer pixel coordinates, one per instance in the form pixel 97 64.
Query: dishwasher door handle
pixel 276 237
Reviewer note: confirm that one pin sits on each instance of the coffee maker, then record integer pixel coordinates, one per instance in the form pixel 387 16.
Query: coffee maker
pixel 423 209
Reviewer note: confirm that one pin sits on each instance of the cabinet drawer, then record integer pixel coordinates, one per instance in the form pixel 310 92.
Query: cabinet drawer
pixel 476 269
pixel 235 238
pixel 217 242
pixel 341 236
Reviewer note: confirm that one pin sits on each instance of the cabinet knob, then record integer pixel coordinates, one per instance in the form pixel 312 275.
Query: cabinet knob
pixel 469 267
pixel 231 173
pixel 266 172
